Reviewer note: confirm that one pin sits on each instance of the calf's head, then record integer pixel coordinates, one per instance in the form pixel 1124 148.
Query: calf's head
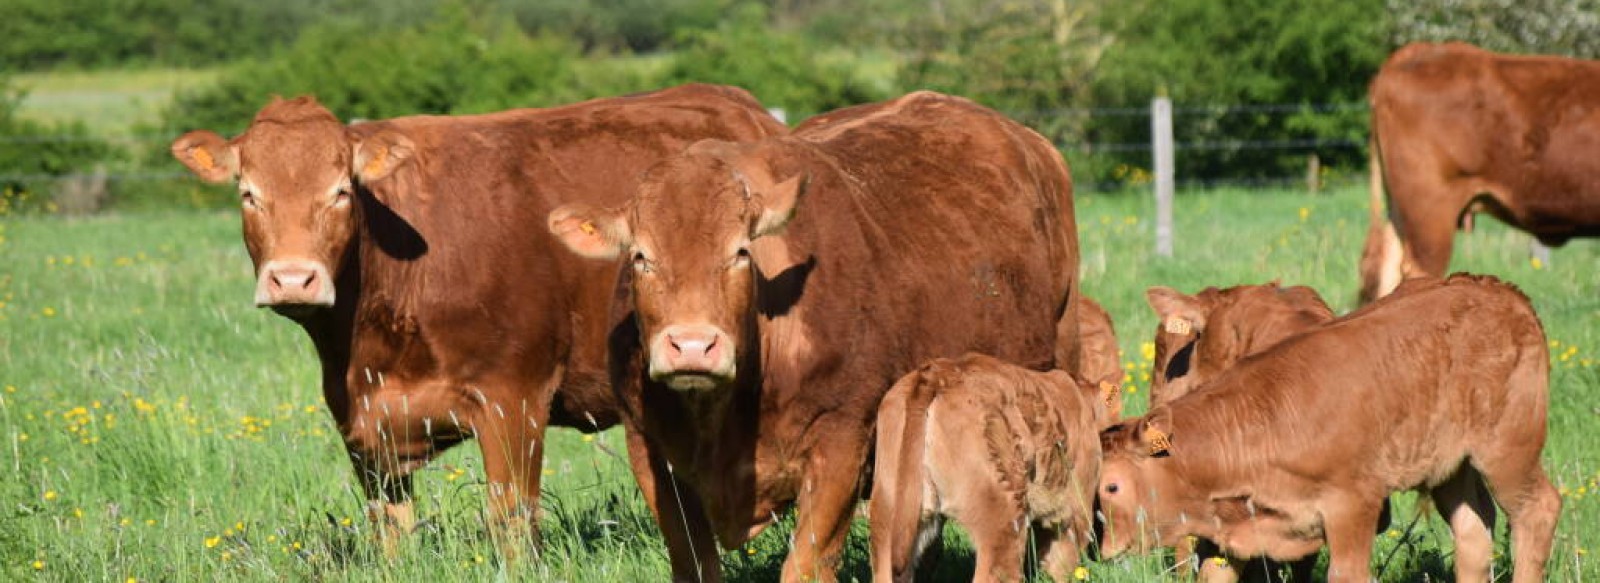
pixel 297 168
pixel 1134 494
pixel 687 234
pixel 1202 335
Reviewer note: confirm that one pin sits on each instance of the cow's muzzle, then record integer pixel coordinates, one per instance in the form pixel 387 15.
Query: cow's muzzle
pixel 294 283
pixel 692 357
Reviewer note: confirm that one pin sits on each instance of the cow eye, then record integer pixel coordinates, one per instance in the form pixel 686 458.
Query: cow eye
pixel 1111 488
pixel 640 263
pixel 248 198
pixel 740 258
pixel 343 195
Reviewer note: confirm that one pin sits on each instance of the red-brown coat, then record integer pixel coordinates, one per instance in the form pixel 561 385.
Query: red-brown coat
pixel 995 447
pixel 1200 336
pixel 1443 386
pixel 1458 130
pixel 411 251
pixel 931 227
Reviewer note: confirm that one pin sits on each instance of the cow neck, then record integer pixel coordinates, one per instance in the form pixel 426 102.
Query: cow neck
pixel 331 332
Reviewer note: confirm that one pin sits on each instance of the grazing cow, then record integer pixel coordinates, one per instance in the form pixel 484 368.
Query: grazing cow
pixel 1202 335
pixel 1097 339
pixel 1443 387
pixel 931 227
pixel 996 447
pixel 403 248
pixel 1458 130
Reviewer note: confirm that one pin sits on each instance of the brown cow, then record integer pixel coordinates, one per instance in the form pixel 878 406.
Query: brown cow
pixel 932 227
pixel 996 447
pixel 403 248
pixel 1202 335
pixel 1458 130
pixel 1443 387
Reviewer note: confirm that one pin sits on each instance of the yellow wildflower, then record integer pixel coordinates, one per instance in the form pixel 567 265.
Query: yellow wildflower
pixel 1537 264
pixel 38 565
pixel 212 542
pixel 48 312
pixel 49 494
pixel 1080 573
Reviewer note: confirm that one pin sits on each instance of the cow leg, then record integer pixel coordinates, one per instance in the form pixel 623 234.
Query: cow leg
pixel 1532 505
pixel 998 527
pixel 691 546
pixel 511 436
pixel 1348 522
pixel 1466 505
pixel 389 502
pixel 826 504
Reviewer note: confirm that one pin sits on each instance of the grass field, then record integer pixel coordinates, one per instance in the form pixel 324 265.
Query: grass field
pixel 157 427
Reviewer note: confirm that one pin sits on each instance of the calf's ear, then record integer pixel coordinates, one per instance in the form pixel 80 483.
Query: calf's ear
pixel 1156 434
pixel 206 154
pixel 1111 397
pixel 591 232
pixel 378 155
pixel 1180 313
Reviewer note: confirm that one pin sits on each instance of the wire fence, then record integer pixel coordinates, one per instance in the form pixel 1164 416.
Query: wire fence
pixel 1181 114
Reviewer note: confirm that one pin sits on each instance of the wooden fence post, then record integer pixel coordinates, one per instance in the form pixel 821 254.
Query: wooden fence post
pixel 1161 136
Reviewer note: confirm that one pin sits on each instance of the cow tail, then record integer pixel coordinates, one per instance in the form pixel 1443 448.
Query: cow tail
pixel 1376 264
pixel 897 496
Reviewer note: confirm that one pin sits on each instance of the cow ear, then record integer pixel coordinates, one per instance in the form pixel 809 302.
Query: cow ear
pixel 776 204
pixel 1111 396
pixel 1155 432
pixel 206 154
pixel 1179 313
pixel 590 232
pixel 378 155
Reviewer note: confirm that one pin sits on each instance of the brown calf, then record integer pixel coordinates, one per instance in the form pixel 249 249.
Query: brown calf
pixel 1440 387
pixel 411 251
pixel 1101 357
pixel 1457 130
pixel 996 447
pixel 767 331
pixel 1202 335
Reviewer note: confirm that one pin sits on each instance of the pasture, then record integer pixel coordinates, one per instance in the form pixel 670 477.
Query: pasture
pixel 155 426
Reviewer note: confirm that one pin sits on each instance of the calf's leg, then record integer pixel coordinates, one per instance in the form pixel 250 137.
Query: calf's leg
pixel 1466 505
pixel 1348 521
pixel 1532 506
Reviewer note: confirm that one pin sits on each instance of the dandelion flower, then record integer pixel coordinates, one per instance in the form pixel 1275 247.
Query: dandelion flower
pixel 212 542
pixel 1536 263
pixel 49 494
pixel 38 565
pixel 48 312
pixel 1080 573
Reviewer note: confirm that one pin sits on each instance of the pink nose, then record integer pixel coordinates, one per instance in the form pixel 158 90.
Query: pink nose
pixel 285 283
pixel 694 351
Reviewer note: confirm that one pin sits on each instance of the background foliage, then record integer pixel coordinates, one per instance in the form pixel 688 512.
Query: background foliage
pixel 1082 72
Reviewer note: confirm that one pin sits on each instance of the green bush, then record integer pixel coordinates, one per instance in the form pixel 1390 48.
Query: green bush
pixel 37 159
pixel 782 68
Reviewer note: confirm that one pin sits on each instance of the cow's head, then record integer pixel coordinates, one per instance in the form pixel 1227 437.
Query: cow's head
pixel 1202 335
pixel 297 168
pixel 687 233
pixel 1135 493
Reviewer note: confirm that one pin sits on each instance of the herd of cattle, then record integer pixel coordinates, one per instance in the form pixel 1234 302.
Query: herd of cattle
pixel 884 302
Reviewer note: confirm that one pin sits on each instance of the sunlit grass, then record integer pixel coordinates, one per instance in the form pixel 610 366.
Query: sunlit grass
pixel 155 426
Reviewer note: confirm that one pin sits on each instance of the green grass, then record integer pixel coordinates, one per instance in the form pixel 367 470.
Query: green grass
pixel 155 426
pixel 111 102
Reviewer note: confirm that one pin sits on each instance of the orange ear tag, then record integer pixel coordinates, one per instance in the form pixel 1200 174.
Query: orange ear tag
pixel 203 158
pixel 1108 393
pixel 588 228
pixel 1157 439
pixel 376 163
pixel 1176 325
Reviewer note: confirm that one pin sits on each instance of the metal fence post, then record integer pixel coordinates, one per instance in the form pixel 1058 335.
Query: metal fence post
pixel 1161 136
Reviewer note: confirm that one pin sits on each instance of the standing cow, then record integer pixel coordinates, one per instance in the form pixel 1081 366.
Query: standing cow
pixel 1458 130
pixel 1442 387
pixel 410 250
pixel 767 330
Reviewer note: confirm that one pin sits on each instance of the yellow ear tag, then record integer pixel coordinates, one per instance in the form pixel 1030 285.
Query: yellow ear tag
pixel 1108 393
pixel 587 227
pixel 375 165
pixel 1157 439
pixel 203 158
pixel 1176 325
